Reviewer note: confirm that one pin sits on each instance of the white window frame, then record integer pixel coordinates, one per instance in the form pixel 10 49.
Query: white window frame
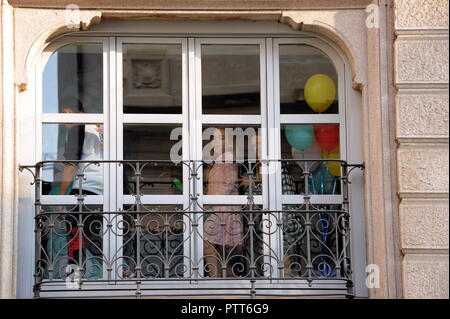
pixel 277 119
pixel 175 119
pixel 200 120
pixel 112 93
pixel 105 200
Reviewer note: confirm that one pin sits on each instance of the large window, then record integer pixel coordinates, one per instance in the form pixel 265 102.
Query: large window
pixel 213 160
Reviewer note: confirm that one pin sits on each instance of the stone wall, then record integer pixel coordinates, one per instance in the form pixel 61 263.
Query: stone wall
pixel 421 77
pixel 7 153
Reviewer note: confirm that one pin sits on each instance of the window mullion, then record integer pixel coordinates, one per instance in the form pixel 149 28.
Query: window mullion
pixel 273 118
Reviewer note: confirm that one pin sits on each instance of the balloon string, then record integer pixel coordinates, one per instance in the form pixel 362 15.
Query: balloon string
pixel 325 229
pixel 324 226
pixel 334 186
pixel 321 182
pixel 328 223
pixel 324 237
pixel 321 177
pixel 313 184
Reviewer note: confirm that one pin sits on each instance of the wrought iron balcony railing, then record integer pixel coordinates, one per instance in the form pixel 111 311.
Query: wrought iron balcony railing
pixel 190 243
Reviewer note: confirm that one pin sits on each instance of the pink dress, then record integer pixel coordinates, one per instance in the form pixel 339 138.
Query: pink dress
pixel 224 229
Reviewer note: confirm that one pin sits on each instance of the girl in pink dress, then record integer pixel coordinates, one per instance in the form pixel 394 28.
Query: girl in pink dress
pixel 222 230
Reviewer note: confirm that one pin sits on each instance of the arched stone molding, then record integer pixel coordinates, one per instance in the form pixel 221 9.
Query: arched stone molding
pixel 345 28
pixel 33 29
pixel 338 26
pixel 341 27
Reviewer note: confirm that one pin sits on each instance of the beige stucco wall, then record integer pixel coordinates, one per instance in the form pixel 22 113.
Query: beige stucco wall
pixel 421 76
pixel 414 223
pixel 7 161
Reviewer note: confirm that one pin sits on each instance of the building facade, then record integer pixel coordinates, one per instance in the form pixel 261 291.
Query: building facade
pixel 388 62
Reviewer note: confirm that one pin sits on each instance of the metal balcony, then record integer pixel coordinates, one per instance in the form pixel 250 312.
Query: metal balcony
pixel 144 249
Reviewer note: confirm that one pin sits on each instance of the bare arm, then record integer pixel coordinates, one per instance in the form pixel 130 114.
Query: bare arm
pixel 67 177
pixel 73 151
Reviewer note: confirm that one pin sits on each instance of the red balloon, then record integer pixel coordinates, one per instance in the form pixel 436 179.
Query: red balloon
pixel 327 136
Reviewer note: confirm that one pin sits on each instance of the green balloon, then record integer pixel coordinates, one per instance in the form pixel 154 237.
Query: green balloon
pixel 178 184
pixel 299 136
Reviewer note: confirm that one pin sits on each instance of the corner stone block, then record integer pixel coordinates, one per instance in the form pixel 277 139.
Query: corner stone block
pixel 425 276
pixel 421 61
pixel 420 14
pixel 424 224
pixel 422 115
pixel 423 169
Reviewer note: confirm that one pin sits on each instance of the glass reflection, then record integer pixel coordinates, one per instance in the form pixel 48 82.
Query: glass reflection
pixel 72 142
pixel 152 78
pixel 325 237
pixel 227 248
pixel 299 64
pixel 319 142
pixel 230 153
pixel 71 241
pixel 74 71
pixel 230 79
pixel 153 142
pixel 157 248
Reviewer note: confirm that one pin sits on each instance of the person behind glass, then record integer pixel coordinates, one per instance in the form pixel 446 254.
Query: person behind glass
pixel 84 142
pixel 223 229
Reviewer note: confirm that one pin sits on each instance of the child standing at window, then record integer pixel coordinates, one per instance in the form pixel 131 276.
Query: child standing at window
pixel 223 229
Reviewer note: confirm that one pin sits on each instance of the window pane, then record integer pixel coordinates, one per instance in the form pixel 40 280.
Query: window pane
pixel 160 238
pixel 324 250
pixel 74 72
pixel 234 150
pixel 153 142
pixel 232 241
pixel 72 142
pixel 230 79
pixel 152 78
pixel 318 143
pixel 71 241
pixel 302 65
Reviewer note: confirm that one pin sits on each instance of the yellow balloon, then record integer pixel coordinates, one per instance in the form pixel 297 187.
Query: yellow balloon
pixel 319 92
pixel 333 167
